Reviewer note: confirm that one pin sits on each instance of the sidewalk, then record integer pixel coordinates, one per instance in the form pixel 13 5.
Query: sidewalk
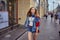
pixel 14 34
pixel 48 31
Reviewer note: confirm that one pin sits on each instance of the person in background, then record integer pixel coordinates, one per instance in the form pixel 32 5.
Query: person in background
pixel 51 16
pixel 58 13
pixel 45 15
pixel 32 23
pixel 56 17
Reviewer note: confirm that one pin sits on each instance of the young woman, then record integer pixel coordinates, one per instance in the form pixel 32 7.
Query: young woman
pixel 32 23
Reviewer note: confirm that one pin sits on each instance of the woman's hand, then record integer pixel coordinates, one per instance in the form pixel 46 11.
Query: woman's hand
pixel 36 29
pixel 36 34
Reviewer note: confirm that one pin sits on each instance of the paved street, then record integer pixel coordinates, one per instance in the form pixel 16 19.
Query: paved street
pixel 49 31
pixel 14 14
pixel 13 34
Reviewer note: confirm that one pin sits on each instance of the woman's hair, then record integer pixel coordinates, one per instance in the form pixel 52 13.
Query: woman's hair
pixel 29 12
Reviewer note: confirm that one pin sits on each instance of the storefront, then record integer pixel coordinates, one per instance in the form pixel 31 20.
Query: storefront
pixel 13 11
pixel 8 12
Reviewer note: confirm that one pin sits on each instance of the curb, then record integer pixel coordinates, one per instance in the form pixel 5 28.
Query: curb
pixel 20 35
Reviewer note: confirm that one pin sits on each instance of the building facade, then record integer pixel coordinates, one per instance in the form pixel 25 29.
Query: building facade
pixel 23 7
pixel 18 9
pixel 43 7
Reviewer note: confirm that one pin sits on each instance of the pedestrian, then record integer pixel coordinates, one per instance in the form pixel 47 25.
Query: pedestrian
pixel 51 16
pixel 58 13
pixel 56 18
pixel 32 23
pixel 45 15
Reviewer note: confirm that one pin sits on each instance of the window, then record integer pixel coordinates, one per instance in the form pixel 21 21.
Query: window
pixel 3 6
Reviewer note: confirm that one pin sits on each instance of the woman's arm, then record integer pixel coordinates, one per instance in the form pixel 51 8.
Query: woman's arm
pixel 36 29
pixel 37 26
pixel 26 22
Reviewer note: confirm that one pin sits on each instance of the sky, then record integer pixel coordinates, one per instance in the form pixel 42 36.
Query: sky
pixel 50 2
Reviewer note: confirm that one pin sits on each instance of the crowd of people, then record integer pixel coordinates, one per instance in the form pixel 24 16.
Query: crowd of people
pixel 56 16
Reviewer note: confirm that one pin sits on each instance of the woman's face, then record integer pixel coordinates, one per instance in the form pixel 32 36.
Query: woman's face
pixel 33 10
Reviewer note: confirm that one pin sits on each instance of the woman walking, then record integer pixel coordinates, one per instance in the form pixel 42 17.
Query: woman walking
pixel 32 23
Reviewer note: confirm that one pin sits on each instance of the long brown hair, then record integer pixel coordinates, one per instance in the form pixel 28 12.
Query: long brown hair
pixel 29 12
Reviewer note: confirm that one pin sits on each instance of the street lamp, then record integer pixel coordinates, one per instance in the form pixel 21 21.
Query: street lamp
pixel 38 5
pixel 55 3
pixel 53 6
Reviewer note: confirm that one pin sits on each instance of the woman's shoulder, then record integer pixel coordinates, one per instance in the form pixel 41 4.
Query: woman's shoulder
pixel 37 17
